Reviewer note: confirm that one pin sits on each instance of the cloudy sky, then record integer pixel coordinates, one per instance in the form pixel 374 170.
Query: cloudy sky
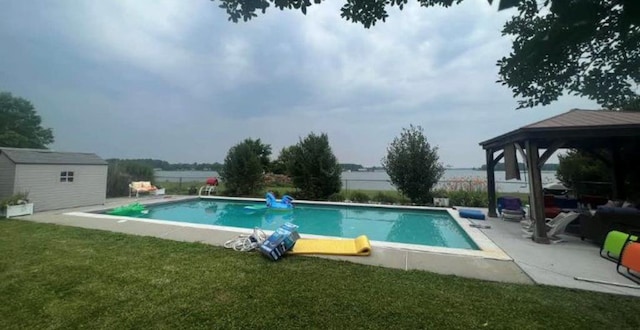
pixel 175 80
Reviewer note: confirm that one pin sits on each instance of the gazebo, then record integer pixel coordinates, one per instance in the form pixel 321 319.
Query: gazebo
pixel 587 130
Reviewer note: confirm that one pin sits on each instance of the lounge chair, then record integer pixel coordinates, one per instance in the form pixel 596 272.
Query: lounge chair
pixel 527 225
pixel 630 259
pixel 510 208
pixel 614 243
pixel 555 226
pixel 210 187
pixel 141 187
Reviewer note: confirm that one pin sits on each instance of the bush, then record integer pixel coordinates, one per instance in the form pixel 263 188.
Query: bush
pixel 384 198
pixel 403 200
pixel 336 197
pixel 292 193
pixel 412 165
pixel 15 199
pixel 314 168
pixel 359 197
pixel 277 180
pixel 467 198
pixel 242 170
pixel 276 194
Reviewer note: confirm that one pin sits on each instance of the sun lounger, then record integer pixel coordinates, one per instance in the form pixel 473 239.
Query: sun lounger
pixel 614 243
pixel 555 226
pixel 630 259
pixel 527 225
pixel 141 187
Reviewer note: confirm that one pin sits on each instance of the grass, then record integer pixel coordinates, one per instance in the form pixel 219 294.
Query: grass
pixel 63 277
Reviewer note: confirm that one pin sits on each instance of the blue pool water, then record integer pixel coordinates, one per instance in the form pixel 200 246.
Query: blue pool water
pixel 434 228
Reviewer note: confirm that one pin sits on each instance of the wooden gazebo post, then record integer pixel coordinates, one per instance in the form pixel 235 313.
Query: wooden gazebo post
pixel 491 181
pixel 491 184
pixel 535 192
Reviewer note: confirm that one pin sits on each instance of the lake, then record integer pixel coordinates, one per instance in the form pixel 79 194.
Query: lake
pixel 379 180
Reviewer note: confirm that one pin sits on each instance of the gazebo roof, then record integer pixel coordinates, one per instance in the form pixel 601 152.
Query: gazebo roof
pixel 575 128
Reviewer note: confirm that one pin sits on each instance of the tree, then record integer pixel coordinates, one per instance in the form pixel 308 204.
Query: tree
pixel 279 166
pixel 589 48
pixel 20 125
pixel 262 150
pixel 313 167
pixel 242 172
pixel 585 47
pixel 580 170
pixel 412 165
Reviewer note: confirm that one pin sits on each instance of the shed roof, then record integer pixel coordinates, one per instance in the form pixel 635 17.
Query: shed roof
pixel 43 156
pixel 576 127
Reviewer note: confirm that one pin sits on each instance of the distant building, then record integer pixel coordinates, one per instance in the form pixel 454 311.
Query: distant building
pixel 54 180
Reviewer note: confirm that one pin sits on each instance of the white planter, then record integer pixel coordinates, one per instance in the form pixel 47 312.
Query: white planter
pixel 160 191
pixel 17 210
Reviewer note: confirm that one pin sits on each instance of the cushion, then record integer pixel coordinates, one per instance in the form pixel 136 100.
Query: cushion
pixel 551 212
pixel 549 200
pixel 471 214
pixel 618 210
pixel 566 203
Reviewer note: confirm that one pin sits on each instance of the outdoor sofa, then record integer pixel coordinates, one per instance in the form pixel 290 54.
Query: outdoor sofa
pixel 606 219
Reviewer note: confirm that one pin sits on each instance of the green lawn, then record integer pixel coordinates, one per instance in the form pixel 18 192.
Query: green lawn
pixel 63 277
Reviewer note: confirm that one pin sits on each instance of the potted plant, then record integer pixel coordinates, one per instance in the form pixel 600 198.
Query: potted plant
pixel 16 205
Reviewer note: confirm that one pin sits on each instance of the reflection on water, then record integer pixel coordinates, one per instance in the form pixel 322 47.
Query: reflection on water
pixel 435 228
pixel 319 220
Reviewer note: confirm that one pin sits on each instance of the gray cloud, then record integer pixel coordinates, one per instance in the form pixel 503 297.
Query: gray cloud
pixel 174 80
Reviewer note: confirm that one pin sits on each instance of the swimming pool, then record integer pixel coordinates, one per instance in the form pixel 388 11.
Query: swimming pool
pixel 408 226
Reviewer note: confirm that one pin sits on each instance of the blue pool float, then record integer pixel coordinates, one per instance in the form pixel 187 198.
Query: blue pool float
pixel 471 214
pixel 284 204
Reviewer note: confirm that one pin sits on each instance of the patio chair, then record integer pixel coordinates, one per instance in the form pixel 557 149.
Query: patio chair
pixel 141 187
pixel 614 243
pixel 210 187
pixel 630 259
pixel 556 226
pixel 527 225
pixel 510 208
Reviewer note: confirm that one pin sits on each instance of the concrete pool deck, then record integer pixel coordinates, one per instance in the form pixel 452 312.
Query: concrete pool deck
pixel 561 263
pixel 522 261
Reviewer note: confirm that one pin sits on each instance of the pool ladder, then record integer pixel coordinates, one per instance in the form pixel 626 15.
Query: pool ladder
pixel 207 190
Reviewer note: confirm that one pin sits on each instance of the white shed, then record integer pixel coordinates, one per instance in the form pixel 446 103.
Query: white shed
pixel 54 180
